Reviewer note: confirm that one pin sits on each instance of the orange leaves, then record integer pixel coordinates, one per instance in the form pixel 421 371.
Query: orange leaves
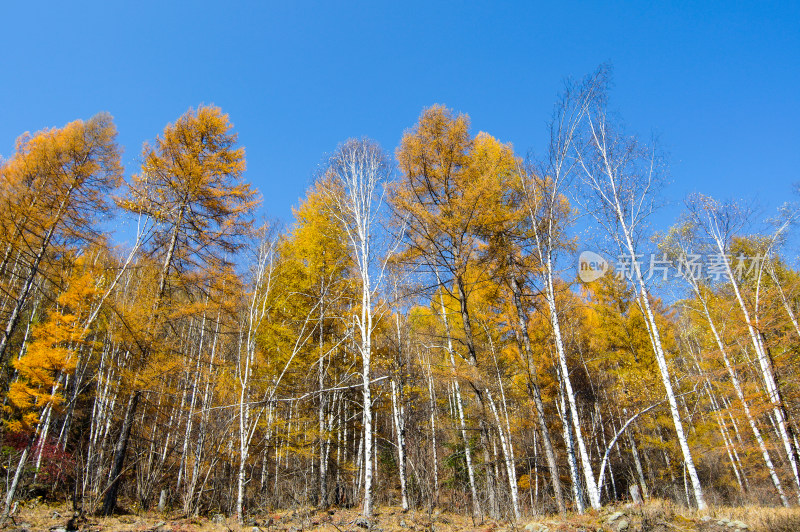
pixel 49 358
pixel 80 157
pixel 54 190
pixel 197 163
pixel 437 146
pixel 53 353
pixel 191 184
pixel 432 157
pixel 452 186
pixel 56 183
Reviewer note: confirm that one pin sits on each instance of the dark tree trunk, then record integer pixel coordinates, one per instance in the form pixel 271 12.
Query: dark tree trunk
pixel 110 500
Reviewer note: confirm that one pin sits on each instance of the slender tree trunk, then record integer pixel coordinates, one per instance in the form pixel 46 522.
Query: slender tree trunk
pixel 110 500
pixel 366 397
pixel 173 243
pixel 490 471
pixel 729 449
pixel 740 394
pixel 638 463
pixel 400 428
pixel 569 443
pixel 509 459
pixel 588 474
pixel 476 506
pixel 184 464
pixel 42 439
pixel 323 437
pixel 12 490
pixel 661 359
pixel 244 435
pixel 767 374
pixel 466 322
pixel 627 212
pixel 523 340
pixel 505 437
pixel 432 401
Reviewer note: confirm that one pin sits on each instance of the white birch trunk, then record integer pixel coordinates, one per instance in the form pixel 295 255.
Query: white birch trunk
pixel 655 336
pixel 569 443
pixel 476 507
pixel 740 394
pixel 638 463
pixel 612 171
pixel 508 455
pixel 764 364
pixel 359 168
pixel 525 344
pixel 588 474
pixel 432 399
pixel 400 428
pixel 12 490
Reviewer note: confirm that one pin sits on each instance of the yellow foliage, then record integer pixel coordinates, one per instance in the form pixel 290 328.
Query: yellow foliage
pixel 53 352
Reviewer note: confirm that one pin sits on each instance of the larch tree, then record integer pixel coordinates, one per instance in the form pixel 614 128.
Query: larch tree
pixel 191 184
pixel 55 188
pixel 320 264
pixel 451 182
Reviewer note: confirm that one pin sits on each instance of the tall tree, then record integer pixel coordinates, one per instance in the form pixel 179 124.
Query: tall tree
pixel 621 177
pixel 319 266
pixel 55 188
pixel 191 183
pixel 451 185
pixel 547 214
pixel 359 169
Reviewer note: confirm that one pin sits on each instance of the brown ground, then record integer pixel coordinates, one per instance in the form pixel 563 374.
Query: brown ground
pixel 655 516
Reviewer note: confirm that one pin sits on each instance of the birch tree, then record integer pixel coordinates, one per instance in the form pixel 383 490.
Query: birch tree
pixel 719 222
pixel 359 170
pixel 262 286
pixel 678 244
pixel 621 177
pixel 542 190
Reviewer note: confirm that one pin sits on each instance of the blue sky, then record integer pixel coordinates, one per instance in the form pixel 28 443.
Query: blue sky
pixel 719 82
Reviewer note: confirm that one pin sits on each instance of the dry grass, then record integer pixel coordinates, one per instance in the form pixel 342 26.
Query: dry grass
pixel 761 518
pixel 655 516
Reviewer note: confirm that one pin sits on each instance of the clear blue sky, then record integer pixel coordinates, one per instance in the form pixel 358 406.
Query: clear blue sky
pixel 718 81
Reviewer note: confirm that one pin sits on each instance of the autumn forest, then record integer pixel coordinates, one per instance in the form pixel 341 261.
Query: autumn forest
pixel 421 334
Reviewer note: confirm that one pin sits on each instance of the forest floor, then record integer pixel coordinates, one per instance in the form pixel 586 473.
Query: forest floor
pixel 655 516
